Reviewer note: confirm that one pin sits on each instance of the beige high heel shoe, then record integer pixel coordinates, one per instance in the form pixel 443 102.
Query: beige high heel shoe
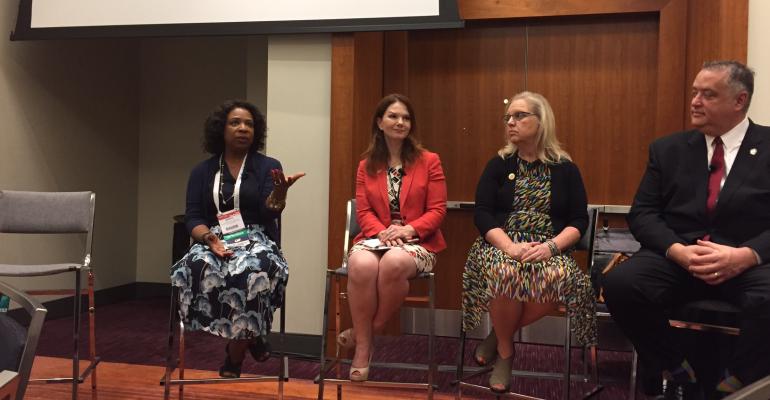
pixel 363 372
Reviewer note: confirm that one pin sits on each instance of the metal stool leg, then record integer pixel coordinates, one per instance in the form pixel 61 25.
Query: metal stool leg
pixel 632 381
pixel 567 356
pixel 324 335
pixel 283 364
pixel 181 359
pixel 460 363
pixel 92 332
pixel 76 335
pixel 431 335
pixel 170 348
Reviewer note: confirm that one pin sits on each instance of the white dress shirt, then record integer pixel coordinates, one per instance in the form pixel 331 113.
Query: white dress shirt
pixel 731 141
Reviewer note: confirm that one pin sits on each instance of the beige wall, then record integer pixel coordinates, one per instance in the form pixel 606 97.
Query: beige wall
pixel 182 80
pixel 759 59
pixel 69 112
pixel 298 107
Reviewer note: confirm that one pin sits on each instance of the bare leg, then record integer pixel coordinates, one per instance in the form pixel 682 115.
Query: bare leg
pixel 363 268
pixel 532 312
pixel 509 315
pixel 396 267
pixel 505 313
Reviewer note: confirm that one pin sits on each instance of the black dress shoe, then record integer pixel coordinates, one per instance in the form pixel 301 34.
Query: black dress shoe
pixel 229 369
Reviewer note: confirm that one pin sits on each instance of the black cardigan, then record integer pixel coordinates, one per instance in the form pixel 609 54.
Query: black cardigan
pixel 255 188
pixel 494 196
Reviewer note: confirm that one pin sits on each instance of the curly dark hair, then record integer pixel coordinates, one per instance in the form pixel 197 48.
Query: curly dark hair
pixel 377 153
pixel 214 127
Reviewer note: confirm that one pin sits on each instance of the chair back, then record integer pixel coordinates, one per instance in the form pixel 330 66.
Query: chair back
pixel 37 313
pixel 587 240
pixel 352 229
pixel 48 212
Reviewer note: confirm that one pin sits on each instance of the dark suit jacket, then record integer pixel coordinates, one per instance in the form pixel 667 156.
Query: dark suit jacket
pixel 256 185
pixel 422 200
pixel 670 204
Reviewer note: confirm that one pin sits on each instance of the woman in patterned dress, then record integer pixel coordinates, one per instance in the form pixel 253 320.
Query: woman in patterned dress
pixel 400 200
pixel 530 211
pixel 232 291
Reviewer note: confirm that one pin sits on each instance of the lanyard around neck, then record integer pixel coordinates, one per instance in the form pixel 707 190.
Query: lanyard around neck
pixel 215 191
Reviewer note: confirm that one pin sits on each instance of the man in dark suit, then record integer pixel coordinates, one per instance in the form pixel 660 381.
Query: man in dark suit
pixel 702 216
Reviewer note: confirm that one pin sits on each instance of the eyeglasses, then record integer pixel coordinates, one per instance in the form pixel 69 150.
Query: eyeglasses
pixel 517 116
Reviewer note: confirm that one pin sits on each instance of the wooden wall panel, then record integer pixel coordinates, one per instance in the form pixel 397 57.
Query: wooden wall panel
pixel 716 30
pixel 458 80
pixel 396 64
pixel 616 83
pixel 672 48
pixel 599 73
pixel 356 89
pixel 341 133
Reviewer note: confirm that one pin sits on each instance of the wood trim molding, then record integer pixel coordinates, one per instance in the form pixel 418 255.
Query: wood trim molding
pixel 497 9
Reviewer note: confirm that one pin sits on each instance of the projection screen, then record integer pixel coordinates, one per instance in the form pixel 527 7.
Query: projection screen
pixel 58 19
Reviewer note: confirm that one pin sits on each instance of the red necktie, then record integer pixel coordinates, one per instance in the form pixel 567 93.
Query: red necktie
pixel 717 172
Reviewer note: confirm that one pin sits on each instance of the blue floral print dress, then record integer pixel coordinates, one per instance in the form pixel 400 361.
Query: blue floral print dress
pixel 234 298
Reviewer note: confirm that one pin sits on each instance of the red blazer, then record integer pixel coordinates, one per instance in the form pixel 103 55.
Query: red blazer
pixel 423 200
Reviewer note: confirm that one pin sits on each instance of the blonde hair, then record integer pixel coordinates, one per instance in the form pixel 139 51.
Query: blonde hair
pixel 549 149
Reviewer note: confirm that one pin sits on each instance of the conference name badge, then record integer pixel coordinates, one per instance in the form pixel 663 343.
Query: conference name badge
pixel 234 232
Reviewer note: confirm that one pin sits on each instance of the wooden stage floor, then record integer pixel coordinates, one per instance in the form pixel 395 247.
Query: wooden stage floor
pixel 118 381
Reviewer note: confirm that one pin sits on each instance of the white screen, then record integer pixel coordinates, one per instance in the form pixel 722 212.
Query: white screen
pixel 85 13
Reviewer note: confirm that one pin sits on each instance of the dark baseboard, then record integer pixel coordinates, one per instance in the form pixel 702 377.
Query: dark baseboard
pixel 61 308
pixel 297 345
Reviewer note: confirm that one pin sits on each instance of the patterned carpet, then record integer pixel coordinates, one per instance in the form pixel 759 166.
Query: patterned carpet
pixel 135 332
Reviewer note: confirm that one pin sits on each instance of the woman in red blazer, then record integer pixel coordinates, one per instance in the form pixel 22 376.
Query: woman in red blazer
pixel 400 200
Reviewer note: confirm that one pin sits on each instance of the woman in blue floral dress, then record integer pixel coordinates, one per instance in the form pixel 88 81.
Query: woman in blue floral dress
pixel 231 282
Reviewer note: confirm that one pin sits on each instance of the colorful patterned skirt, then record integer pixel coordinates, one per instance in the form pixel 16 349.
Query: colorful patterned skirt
pixel 234 298
pixel 490 273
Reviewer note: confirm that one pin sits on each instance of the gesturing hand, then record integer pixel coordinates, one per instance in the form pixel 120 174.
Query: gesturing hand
pixel 282 183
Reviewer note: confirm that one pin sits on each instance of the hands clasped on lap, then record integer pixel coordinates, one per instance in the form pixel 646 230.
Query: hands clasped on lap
pixel 397 235
pixel 528 251
pixel 712 262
